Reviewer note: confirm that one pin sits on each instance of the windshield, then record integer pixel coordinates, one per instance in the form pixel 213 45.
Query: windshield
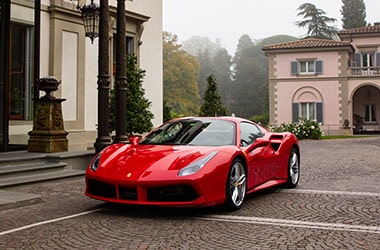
pixel 194 132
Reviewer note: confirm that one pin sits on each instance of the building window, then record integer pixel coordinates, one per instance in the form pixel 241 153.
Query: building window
pixel 20 72
pixel 370 113
pixel 130 48
pixel 306 67
pixel 307 110
pixel 368 59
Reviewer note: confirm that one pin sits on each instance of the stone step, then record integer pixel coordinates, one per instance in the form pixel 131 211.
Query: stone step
pixel 23 167
pixel 37 177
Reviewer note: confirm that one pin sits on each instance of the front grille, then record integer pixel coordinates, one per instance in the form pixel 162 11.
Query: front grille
pixel 172 193
pixel 128 193
pixel 101 189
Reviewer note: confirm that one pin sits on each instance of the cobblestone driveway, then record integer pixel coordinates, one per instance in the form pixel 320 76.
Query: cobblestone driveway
pixel 335 206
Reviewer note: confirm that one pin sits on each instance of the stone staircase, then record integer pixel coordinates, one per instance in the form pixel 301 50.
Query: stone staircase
pixel 22 167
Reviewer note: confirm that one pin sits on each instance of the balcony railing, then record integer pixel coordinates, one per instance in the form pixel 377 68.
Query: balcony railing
pixel 364 71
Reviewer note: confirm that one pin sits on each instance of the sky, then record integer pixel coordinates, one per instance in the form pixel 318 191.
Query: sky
pixel 228 20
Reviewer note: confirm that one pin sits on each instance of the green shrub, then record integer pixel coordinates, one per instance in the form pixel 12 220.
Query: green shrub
pixel 305 129
pixel 138 114
pixel 262 119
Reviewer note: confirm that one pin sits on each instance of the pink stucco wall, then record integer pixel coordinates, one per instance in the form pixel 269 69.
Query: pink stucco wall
pixel 330 63
pixel 322 91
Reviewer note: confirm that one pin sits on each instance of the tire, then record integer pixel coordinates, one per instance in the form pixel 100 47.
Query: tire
pixel 236 186
pixel 293 169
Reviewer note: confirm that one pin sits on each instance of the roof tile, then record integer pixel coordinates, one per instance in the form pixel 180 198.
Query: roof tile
pixel 361 30
pixel 307 43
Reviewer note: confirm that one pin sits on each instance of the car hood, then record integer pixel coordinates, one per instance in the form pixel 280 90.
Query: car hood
pixel 142 160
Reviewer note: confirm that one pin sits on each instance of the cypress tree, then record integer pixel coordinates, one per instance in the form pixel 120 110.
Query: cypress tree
pixel 212 105
pixel 354 14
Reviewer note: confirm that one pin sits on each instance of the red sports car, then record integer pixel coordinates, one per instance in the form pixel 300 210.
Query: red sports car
pixel 195 161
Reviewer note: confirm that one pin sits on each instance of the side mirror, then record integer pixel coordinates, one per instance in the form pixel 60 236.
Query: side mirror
pixel 134 140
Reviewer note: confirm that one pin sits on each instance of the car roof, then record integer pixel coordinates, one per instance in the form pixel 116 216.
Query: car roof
pixel 225 118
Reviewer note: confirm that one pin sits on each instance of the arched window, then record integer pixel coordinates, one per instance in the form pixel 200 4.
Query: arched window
pixel 307 104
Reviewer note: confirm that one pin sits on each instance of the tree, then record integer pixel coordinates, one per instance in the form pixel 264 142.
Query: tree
pixel 222 71
pixel 180 70
pixel 316 22
pixel 212 105
pixel 243 89
pixel 167 112
pixel 354 14
pixel 249 91
pixel 205 50
pixel 244 42
pixel 206 68
pixel 198 44
pixel 139 117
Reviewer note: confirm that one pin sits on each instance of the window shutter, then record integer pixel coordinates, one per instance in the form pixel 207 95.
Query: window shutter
pixel 319 112
pixel 295 112
pixel 318 67
pixel 358 59
pixel 377 59
pixel 294 68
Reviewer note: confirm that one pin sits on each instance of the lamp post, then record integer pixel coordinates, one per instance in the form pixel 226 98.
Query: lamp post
pixel 90 16
pixel 103 138
pixel 95 20
pixel 121 78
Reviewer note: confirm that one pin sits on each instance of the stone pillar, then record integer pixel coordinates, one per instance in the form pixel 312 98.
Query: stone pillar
pixel 121 75
pixel 104 138
pixel 48 134
pixel 346 128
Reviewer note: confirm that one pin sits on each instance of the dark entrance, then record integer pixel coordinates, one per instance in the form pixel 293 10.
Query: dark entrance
pixel 366 110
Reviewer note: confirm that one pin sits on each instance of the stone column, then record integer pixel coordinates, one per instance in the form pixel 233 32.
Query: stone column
pixel 121 75
pixel 48 134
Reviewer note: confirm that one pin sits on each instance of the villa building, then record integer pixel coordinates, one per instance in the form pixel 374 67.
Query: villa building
pixel 336 82
pixel 66 54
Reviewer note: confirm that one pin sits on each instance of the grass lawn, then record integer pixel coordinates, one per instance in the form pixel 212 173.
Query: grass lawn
pixel 326 137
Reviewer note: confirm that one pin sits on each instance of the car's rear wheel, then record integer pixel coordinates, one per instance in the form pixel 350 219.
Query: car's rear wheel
pixel 293 169
pixel 236 186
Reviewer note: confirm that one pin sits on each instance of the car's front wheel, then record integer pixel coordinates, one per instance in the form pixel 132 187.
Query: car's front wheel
pixel 293 169
pixel 236 186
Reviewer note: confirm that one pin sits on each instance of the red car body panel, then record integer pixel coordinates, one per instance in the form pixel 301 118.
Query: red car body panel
pixel 148 174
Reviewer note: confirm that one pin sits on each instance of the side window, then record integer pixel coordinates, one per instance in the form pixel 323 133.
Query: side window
pixel 248 133
pixel 306 67
pixel 308 111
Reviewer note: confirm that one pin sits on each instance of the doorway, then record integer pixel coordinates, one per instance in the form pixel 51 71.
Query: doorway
pixel 366 110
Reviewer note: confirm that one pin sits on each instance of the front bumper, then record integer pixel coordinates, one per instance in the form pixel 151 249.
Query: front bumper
pixel 163 194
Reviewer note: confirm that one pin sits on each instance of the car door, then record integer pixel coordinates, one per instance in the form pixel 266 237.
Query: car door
pixel 260 156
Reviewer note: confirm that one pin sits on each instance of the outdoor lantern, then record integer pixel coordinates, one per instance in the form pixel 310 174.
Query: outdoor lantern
pixel 90 17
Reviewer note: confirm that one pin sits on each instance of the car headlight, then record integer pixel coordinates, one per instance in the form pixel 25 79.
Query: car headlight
pixel 95 163
pixel 195 166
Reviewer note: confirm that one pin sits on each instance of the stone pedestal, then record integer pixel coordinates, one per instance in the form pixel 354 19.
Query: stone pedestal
pixel 48 134
pixel 347 131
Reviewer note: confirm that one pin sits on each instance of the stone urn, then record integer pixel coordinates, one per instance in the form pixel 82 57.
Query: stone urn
pixel 48 84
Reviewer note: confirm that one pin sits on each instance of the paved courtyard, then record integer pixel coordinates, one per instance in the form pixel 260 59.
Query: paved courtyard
pixel 335 206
